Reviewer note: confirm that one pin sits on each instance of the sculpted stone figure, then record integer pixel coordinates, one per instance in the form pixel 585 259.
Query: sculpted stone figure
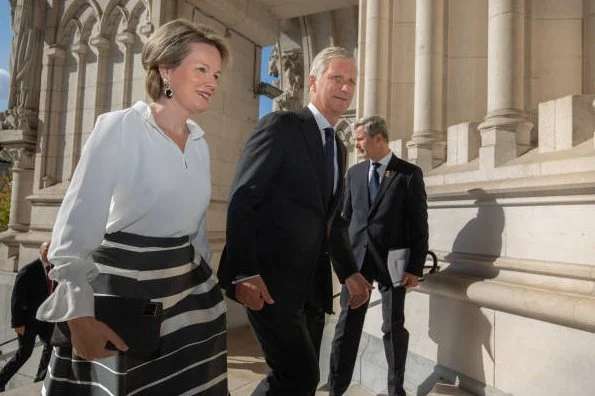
pixel 25 64
pixel 292 81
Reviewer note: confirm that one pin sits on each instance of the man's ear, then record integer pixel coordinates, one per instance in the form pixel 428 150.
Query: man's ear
pixel 165 73
pixel 312 83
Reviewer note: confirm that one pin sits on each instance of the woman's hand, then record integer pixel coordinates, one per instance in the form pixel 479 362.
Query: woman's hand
pixel 89 338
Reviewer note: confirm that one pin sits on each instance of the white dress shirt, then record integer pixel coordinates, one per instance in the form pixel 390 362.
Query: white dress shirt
pixel 381 169
pixel 322 123
pixel 131 177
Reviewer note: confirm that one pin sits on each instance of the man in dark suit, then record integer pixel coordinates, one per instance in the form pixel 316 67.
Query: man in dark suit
pixel 385 205
pixel 31 287
pixel 282 229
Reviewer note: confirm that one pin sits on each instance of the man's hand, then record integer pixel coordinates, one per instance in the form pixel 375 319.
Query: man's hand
pixel 409 280
pixel 359 290
pixel 90 336
pixel 253 293
pixel 20 330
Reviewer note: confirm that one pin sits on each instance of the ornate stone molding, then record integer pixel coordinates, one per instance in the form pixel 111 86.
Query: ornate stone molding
pixel 19 118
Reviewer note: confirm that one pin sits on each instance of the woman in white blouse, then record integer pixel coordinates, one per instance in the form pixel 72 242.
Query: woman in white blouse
pixel 132 225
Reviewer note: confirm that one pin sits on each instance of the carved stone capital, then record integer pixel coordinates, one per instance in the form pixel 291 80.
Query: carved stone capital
pixel 81 50
pixel 56 52
pixel 99 42
pixel 146 29
pixel 126 38
pixel 22 158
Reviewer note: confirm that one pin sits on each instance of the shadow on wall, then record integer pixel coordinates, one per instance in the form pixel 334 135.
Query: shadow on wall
pixel 461 330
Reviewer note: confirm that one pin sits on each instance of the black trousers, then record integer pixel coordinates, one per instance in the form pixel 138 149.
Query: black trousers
pixel 26 345
pixel 348 332
pixel 291 343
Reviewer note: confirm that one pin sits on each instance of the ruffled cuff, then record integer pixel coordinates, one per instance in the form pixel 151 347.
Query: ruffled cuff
pixel 68 301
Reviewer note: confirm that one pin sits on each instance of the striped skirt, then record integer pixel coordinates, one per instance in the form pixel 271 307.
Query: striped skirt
pixel 192 357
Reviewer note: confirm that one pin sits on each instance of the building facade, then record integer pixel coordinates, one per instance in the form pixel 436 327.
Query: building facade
pixel 494 99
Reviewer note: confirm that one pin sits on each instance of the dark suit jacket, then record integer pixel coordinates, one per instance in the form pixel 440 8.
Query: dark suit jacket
pixel 30 290
pixel 278 224
pixel 397 219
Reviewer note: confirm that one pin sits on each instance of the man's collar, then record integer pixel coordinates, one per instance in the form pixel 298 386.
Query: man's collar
pixel 321 121
pixel 384 160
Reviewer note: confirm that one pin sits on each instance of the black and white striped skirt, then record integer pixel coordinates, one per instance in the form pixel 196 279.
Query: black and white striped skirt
pixel 192 356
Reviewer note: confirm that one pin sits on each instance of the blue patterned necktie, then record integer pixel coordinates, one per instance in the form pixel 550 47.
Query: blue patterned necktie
pixel 329 162
pixel 374 182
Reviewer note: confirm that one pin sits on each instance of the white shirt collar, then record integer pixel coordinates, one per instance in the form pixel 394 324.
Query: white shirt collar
pixel 384 160
pixel 321 121
pixel 196 132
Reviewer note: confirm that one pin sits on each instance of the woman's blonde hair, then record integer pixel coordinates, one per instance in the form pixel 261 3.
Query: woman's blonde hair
pixel 169 45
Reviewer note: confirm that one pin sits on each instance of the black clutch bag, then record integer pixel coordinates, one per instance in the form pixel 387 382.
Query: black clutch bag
pixel 136 321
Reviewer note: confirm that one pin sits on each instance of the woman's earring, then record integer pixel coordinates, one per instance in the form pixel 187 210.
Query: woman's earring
pixel 168 91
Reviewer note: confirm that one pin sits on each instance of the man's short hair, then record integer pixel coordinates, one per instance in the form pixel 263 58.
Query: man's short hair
pixel 324 57
pixel 373 125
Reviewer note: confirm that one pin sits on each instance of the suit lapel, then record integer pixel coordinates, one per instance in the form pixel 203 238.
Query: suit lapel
pixel 389 176
pixel 313 139
pixel 362 181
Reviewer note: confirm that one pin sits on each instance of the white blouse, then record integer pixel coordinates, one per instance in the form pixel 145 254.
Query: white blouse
pixel 131 177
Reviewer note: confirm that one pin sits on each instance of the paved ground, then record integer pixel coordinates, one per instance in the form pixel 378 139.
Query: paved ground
pixel 246 369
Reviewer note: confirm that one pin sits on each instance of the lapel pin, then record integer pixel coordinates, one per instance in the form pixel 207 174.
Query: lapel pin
pixel 387 173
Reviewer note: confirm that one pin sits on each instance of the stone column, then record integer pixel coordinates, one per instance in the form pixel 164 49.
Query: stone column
pixel 127 40
pixel 50 151
pixel 427 147
pixel 80 51
pixel 22 186
pixel 376 84
pixel 588 45
pixel 505 132
pixel 101 48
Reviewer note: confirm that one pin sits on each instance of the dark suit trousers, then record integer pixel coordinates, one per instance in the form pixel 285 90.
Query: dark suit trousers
pixel 348 333
pixel 26 345
pixel 290 350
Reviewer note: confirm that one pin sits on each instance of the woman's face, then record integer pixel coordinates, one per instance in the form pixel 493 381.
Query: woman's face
pixel 196 79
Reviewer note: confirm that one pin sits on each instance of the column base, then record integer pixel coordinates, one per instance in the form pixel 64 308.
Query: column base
pixel 426 156
pixel 503 139
pixel 420 156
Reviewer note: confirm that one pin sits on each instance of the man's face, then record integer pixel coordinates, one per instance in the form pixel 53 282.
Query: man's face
pixel 373 148
pixel 333 91
pixel 43 251
pixel 363 143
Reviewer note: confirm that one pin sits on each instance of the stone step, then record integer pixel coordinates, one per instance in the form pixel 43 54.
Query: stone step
pixel 25 390
pixel 442 389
